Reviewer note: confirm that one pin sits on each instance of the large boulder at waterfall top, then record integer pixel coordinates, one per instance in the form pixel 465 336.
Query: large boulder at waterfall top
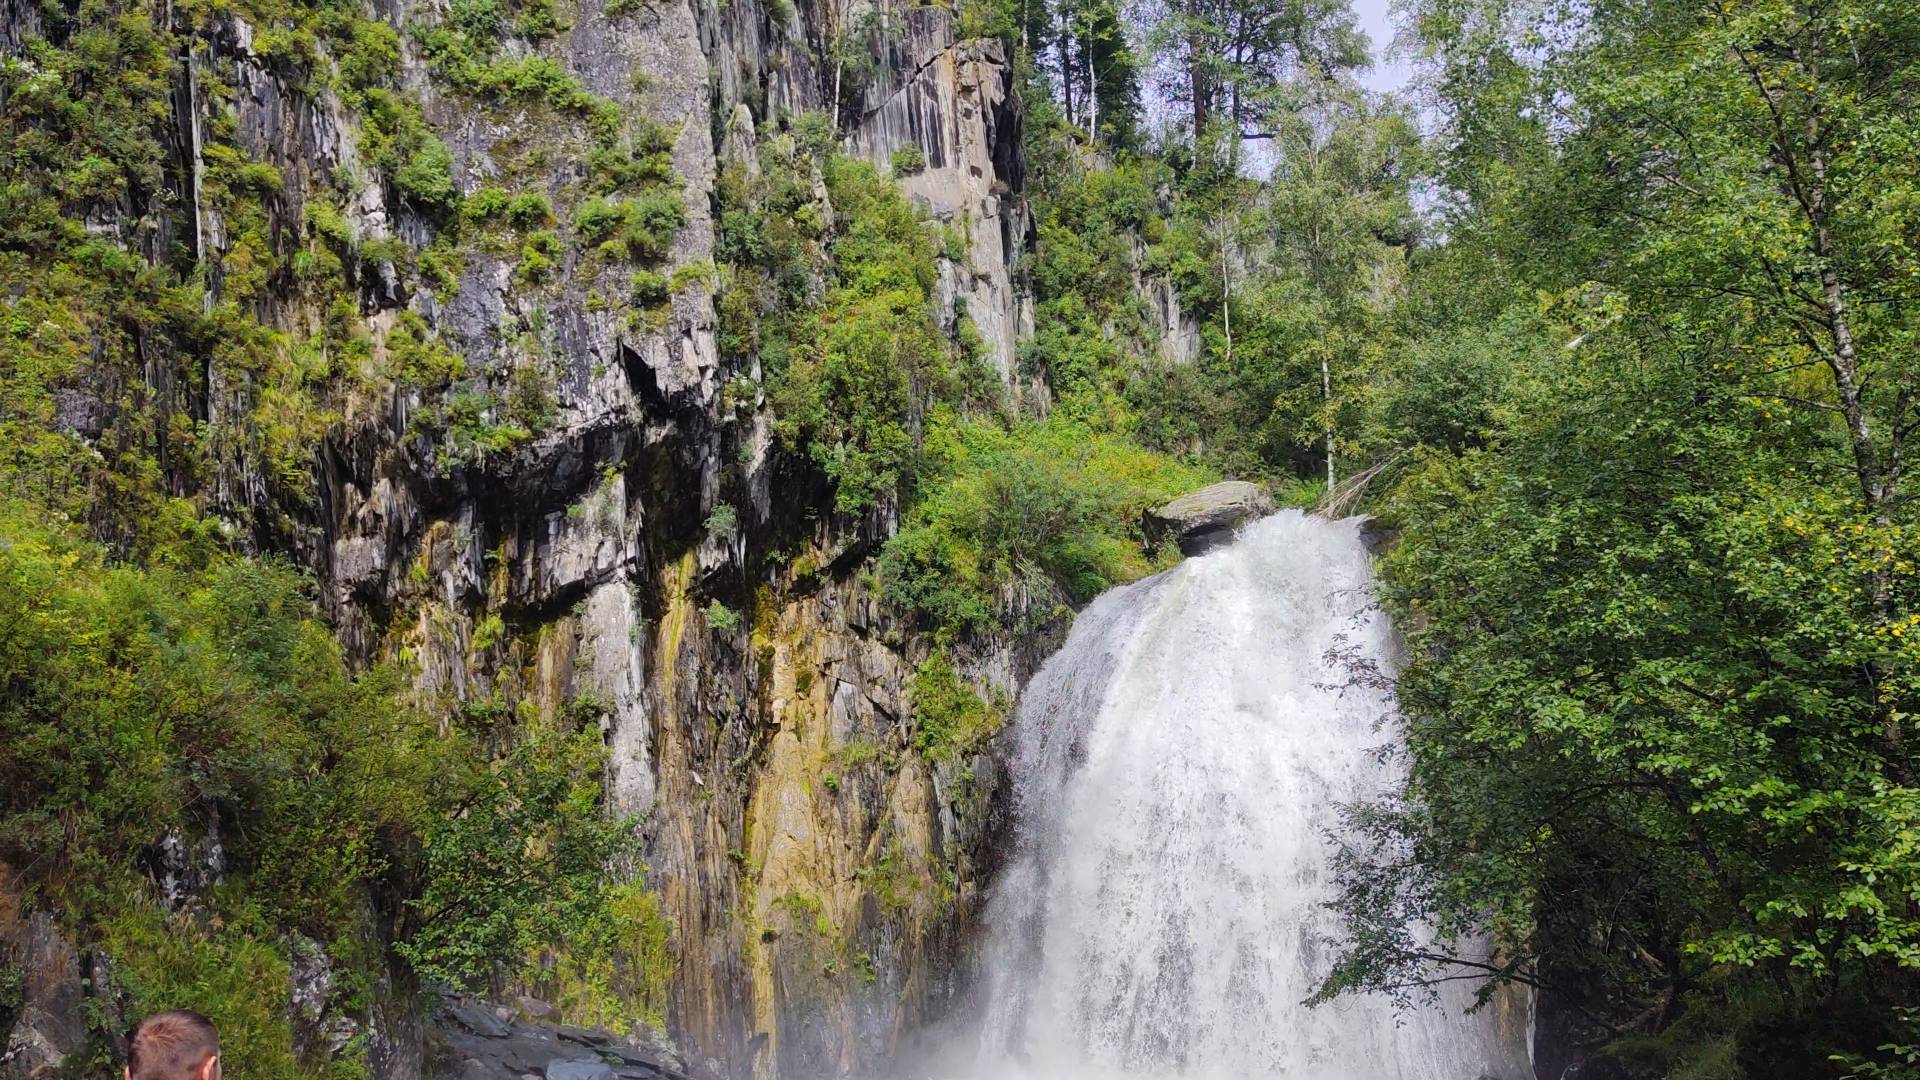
pixel 1202 520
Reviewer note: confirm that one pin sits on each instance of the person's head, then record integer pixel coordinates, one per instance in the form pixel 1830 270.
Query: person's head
pixel 177 1045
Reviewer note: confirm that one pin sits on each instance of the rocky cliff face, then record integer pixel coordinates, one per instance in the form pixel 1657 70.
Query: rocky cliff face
pixel 819 875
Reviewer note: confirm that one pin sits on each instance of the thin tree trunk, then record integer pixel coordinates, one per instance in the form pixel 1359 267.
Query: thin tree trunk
pixel 1197 79
pixel 1066 66
pixel 1226 289
pixel 1877 491
pixel 1326 397
pixel 1093 93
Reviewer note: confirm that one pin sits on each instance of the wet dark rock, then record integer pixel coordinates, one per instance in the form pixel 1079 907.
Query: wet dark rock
pixel 578 1069
pixel 479 1045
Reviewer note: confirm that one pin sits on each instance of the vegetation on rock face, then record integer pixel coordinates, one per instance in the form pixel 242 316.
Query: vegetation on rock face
pixel 1634 390
pixel 1051 506
pixel 950 718
pixel 170 700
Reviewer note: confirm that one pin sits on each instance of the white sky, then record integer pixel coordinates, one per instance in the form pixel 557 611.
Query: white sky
pixel 1379 23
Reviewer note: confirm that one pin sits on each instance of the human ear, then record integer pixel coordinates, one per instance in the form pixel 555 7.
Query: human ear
pixel 211 1069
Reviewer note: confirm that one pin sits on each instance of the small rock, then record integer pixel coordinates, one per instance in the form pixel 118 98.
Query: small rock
pixel 535 1009
pixel 1200 521
pixel 592 1037
pixel 579 1069
pixel 478 1020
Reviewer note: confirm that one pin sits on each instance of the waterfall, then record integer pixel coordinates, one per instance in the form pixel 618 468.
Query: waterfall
pixel 1179 764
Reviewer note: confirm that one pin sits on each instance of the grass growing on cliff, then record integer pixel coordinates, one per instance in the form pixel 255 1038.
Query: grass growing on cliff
pixel 951 719
pixel 1053 505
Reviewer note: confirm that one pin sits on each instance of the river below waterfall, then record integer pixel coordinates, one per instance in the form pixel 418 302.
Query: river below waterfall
pixel 1179 765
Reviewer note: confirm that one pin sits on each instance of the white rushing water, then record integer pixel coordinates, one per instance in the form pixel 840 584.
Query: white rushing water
pixel 1178 765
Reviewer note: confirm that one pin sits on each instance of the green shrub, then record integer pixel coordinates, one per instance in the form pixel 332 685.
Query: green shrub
pixel 537 255
pixel 722 619
pixel 538 19
pixel 478 19
pixel 486 204
pixel 472 425
pixel 529 209
pixel 871 362
pixel 234 975
pixel 1052 502
pixel 641 227
pixel 417 358
pixel 523 866
pixel 427 173
pixel 908 160
pixel 650 288
pixel 950 719
pixel 201 690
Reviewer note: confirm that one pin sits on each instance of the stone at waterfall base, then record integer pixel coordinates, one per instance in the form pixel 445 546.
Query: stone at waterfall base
pixel 1200 521
pixel 478 1043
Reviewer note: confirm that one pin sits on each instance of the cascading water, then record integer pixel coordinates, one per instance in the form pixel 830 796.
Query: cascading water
pixel 1179 764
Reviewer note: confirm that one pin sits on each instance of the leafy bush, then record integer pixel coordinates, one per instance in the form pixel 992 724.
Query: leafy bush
pixel 529 209
pixel 722 619
pixel 1054 502
pixel 908 161
pixel 950 718
pixel 486 204
pixel 417 358
pixel 642 227
pixel 869 364
pixel 427 173
pixel 523 865
pixel 650 288
pixel 473 425
pixel 537 254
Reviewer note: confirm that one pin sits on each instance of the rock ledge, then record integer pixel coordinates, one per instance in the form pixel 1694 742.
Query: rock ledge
pixel 1200 521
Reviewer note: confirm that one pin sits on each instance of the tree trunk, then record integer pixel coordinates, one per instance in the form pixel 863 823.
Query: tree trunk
pixel 1198 80
pixel 1226 290
pixel 1066 66
pixel 1326 398
pixel 1843 361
